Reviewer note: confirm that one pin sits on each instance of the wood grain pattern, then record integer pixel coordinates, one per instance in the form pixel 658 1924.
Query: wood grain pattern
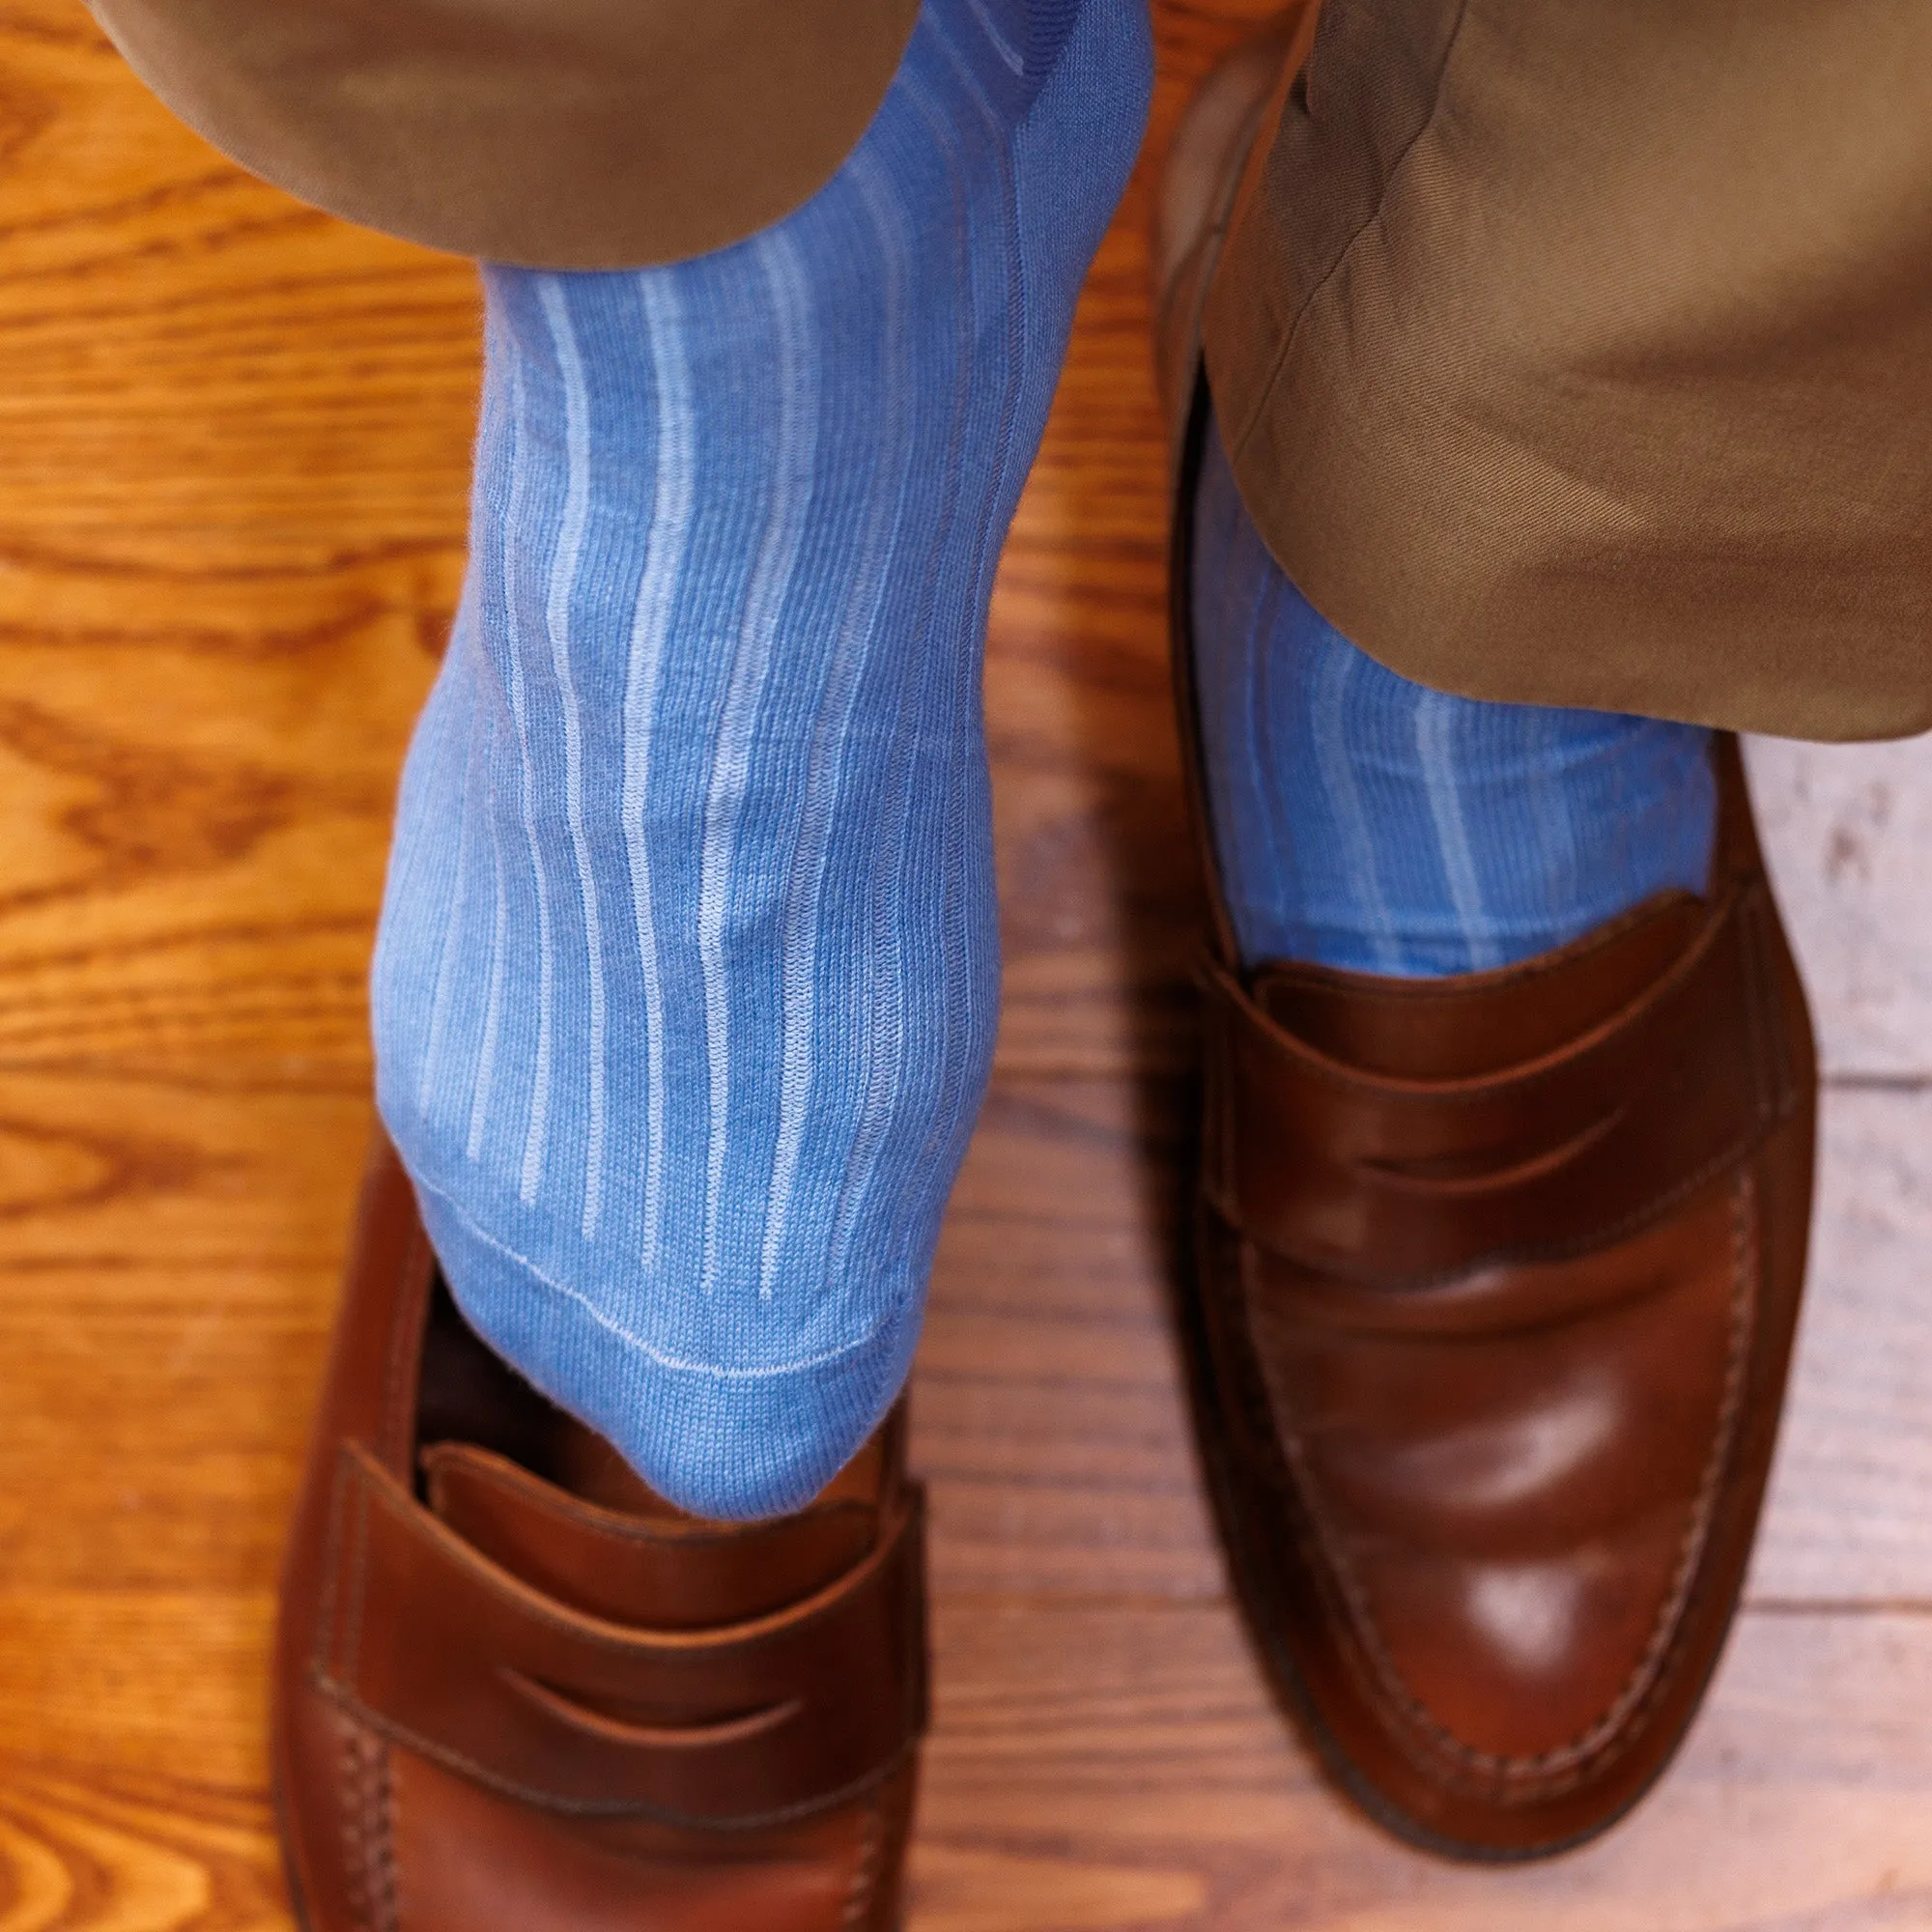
pixel 1848 832
pixel 232 449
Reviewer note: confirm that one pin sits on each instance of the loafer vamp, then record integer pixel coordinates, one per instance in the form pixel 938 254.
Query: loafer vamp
pixel 489 1863
pixel 1491 1559
pixel 1510 1510
pixel 500 1700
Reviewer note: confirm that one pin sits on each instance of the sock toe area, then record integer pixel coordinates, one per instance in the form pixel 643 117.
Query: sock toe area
pixel 732 1442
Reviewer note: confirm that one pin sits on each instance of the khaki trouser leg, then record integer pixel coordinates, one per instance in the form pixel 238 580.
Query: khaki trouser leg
pixel 1580 352
pixel 566 133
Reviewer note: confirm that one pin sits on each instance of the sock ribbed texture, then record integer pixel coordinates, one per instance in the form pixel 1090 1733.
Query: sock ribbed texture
pixel 686 979
pixel 1365 822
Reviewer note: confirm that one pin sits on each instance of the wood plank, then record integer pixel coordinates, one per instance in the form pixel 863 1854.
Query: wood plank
pixel 104 1849
pixel 1102 1766
pixel 1848 833
pixel 1139 1738
pixel 233 445
pixel 1046 1405
pixel 140 1681
pixel 1848 1518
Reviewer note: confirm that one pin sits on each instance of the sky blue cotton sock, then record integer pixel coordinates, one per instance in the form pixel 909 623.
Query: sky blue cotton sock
pixel 687 978
pixel 1365 822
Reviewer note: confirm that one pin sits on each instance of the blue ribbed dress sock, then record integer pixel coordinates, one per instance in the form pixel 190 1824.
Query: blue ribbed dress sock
pixel 688 973
pixel 1365 822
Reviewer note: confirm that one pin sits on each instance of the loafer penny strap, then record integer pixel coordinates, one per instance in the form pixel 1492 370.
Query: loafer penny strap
pixel 440 1649
pixel 1392 1181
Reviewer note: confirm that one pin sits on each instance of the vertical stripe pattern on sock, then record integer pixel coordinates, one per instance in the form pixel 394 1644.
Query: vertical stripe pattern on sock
pixel 827 770
pixel 790 298
pixel 650 624
pixel 1436 752
pixel 562 588
pixel 689 964
pixel 536 1132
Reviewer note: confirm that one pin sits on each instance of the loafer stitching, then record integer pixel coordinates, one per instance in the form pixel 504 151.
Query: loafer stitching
pixel 366 1829
pixel 866 1875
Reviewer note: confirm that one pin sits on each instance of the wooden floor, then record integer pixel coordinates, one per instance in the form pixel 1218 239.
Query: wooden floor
pixel 232 442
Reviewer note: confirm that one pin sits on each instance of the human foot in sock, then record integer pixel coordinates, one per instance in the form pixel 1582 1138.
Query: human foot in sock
pixel 686 984
pixel 1500 1220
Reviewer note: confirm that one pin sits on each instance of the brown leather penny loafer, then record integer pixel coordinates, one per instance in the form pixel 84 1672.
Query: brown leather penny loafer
pixel 1493 1287
pixel 512 1687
